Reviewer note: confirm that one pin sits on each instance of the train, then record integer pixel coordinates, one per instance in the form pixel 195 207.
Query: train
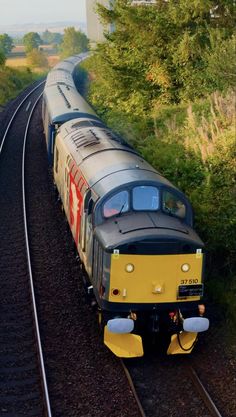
pixel 132 228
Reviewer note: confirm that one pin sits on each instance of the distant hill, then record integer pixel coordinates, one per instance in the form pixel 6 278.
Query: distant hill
pixel 22 29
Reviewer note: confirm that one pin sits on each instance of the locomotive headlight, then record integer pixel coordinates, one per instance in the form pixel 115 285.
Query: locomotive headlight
pixel 185 267
pixel 129 268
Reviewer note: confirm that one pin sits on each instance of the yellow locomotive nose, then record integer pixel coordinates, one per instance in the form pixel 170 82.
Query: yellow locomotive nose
pixel 154 278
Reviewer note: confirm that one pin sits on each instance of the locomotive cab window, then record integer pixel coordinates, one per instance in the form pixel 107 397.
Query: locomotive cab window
pixel 117 204
pixel 172 204
pixel 145 198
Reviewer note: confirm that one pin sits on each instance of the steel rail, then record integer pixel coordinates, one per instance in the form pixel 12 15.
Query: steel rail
pixel 13 116
pixel 131 384
pixel 203 393
pixel 45 388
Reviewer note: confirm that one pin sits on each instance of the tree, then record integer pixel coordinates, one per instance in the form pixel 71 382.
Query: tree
pixel 160 53
pixel 6 44
pixel 221 68
pixel 46 37
pixel 51 38
pixel 74 42
pixel 31 41
pixel 37 58
pixel 2 59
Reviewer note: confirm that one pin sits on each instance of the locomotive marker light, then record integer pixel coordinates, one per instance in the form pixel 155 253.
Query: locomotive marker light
pixel 115 291
pixel 185 267
pixel 129 268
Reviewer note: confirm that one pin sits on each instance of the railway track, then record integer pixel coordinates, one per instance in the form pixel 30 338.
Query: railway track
pixel 23 387
pixel 78 375
pixel 162 389
pixel 132 387
pixel 79 367
pixel 203 393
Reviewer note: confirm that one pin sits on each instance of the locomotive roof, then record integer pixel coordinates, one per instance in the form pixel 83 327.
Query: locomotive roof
pixel 124 229
pixel 65 103
pixel 62 73
pixel 104 158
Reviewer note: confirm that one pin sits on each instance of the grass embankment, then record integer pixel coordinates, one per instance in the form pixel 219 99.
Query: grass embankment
pixel 193 145
pixel 13 81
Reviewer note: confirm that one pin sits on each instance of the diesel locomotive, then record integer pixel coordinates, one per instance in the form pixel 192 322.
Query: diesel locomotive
pixel 132 228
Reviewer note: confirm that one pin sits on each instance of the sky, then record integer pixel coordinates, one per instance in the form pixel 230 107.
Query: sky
pixel 41 11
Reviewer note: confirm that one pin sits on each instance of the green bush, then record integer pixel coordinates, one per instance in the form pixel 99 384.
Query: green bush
pixel 222 290
pixel 155 80
pixel 193 145
pixel 37 58
pixel 12 82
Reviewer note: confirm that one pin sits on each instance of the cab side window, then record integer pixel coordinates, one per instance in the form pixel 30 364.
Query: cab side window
pixel 171 204
pixel 118 203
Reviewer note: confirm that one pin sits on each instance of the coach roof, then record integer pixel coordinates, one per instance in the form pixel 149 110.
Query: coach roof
pixel 64 103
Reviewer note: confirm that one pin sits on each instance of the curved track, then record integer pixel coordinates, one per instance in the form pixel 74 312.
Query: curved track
pixel 79 367
pixel 78 374
pixel 23 389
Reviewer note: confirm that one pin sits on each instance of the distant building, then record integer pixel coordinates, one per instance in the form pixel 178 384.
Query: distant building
pixel 95 28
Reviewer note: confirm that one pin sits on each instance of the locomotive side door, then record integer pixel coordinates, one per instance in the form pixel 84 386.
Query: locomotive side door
pixel 66 196
pixel 86 235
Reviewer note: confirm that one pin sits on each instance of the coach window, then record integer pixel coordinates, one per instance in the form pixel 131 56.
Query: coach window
pixel 117 204
pixel 172 204
pixel 145 197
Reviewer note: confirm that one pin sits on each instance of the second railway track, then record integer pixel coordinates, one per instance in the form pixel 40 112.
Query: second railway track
pixel 79 368
pixel 21 388
pixel 84 378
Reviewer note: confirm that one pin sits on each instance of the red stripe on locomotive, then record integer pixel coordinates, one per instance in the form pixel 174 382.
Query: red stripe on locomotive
pixel 77 183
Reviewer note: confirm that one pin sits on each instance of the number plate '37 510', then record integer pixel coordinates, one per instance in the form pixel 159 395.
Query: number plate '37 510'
pixel 190 290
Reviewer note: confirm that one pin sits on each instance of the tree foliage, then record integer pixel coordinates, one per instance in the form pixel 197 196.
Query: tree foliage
pixel 37 58
pixel 31 41
pixel 155 81
pixel 165 53
pixel 74 42
pixel 2 59
pixel 6 44
pixel 51 38
pixel 13 81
